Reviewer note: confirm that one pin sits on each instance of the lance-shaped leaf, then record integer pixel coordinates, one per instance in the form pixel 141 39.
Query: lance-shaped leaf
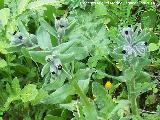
pixel 48 28
pixel 45 69
pixel 43 38
pixel 59 95
pixel 65 46
pixel 39 56
pixel 90 112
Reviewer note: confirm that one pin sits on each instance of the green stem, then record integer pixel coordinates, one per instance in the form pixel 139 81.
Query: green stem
pixel 79 90
pixel 132 96
pixel 81 94
pixel 8 67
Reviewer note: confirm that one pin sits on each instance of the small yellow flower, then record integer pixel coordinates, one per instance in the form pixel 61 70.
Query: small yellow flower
pixel 108 85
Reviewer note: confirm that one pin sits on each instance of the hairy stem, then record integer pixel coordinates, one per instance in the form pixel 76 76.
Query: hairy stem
pixel 81 94
pixel 132 96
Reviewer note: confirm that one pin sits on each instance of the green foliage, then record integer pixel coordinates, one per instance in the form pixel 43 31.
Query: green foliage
pixel 29 93
pixel 42 36
pixel 4 13
pixel 56 57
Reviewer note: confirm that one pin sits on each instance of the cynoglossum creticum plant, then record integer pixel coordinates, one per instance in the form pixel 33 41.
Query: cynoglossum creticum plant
pixel 61 24
pixel 83 51
pixel 132 49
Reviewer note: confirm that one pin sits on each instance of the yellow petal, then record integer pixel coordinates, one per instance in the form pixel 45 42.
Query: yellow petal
pixel 108 85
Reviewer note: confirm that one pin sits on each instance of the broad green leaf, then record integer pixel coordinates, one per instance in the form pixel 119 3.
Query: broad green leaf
pixel 149 18
pixel 122 105
pixel 66 58
pixel 71 26
pixel 22 6
pixel 92 61
pixel 39 56
pixel 29 92
pixel 59 95
pixel 65 46
pixel 90 112
pixel 148 116
pixel 4 16
pixel 143 87
pixel 83 74
pixel 84 84
pixel 80 52
pixel 3 63
pixel 43 38
pixel 48 28
pixel 40 3
pixel 70 106
pixel 102 99
pixel 153 47
pixel 25 52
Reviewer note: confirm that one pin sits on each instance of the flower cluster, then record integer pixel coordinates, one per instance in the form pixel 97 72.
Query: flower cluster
pixel 55 64
pixel 60 24
pixel 17 38
pixel 133 45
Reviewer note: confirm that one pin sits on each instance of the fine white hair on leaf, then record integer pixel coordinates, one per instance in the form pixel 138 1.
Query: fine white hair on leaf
pixel 132 48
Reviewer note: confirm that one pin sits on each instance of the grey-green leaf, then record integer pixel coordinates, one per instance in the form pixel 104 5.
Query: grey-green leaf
pixel 59 95
pixel 39 56
pixel 43 38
